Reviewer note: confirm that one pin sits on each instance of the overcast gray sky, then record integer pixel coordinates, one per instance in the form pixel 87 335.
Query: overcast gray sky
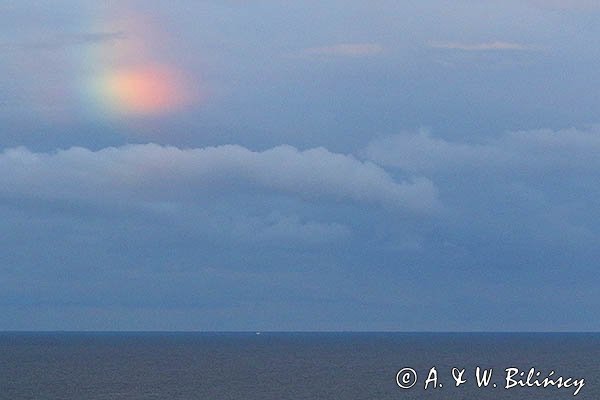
pixel 314 165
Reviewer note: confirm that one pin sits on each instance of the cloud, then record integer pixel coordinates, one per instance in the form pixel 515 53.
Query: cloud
pixel 567 4
pixel 487 46
pixel 59 42
pixel 149 173
pixel 275 228
pixel 544 149
pixel 345 50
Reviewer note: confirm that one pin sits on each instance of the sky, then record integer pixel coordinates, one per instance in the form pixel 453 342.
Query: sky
pixel 300 166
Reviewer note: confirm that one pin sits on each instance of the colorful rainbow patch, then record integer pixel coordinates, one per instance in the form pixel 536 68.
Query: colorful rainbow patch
pixel 130 76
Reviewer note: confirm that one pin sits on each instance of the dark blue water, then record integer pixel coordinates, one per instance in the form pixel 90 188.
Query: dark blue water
pixel 90 366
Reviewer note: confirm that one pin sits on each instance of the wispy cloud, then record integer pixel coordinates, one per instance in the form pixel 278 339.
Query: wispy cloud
pixel 486 46
pixel 345 50
pixel 537 151
pixel 62 41
pixel 567 4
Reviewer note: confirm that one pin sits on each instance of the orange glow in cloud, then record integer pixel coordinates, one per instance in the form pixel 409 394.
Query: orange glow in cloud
pixel 139 74
pixel 145 90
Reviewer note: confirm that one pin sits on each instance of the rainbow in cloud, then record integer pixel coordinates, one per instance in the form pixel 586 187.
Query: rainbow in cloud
pixel 129 78
pixel 140 90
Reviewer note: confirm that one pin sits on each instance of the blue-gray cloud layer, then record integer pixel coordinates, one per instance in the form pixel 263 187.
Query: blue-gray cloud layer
pixel 348 165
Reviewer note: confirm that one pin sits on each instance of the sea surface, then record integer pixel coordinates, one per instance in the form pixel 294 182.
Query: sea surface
pixel 90 366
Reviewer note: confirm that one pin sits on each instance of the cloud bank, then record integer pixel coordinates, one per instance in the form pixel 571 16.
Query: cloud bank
pixel 544 149
pixel 154 173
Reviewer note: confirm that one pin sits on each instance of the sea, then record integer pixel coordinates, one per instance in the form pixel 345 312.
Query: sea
pixel 303 365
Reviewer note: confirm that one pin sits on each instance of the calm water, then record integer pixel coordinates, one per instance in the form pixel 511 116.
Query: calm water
pixel 281 366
